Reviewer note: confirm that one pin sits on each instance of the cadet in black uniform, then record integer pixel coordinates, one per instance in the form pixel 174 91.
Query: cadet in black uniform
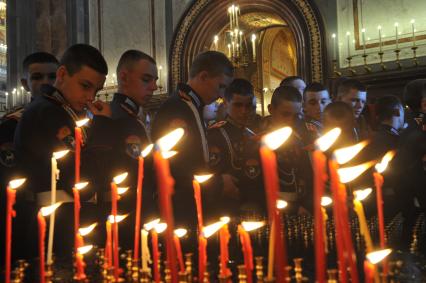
pixel 38 68
pixel 234 151
pixel 47 125
pixel 136 75
pixel 210 73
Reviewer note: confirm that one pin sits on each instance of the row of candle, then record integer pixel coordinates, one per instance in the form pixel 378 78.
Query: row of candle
pixel 350 42
pixel 18 96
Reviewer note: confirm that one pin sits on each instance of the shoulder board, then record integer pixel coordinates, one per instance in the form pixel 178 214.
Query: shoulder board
pixel 183 95
pixel 217 125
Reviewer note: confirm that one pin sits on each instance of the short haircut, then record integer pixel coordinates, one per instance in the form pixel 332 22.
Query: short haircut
pixel 239 86
pixel 414 91
pixel 385 107
pixel 38 57
pixel 80 55
pixel 213 62
pixel 285 93
pixel 314 87
pixel 288 80
pixel 132 56
pixel 338 114
pixel 347 85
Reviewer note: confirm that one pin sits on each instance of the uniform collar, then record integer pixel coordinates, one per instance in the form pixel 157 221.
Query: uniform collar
pixel 55 94
pixel 389 129
pixel 195 97
pixel 127 102
pixel 233 122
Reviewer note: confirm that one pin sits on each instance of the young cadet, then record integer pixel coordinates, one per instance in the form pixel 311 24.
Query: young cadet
pixel 294 166
pixel 136 76
pixel 233 149
pixel 315 99
pixel 47 126
pixel 210 73
pixel 296 82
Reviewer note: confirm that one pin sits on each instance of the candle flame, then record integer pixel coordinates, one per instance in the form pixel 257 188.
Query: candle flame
pixel 16 183
pixel 216 38
pixel 381 167
pixel 122 190
pixel 212 228
pixel 180 232
pixel 168 154
pixel 362 194
pixel 84 231
pixel 379 27
pixel 150 225
pixel 160 227
pixel 351 173
pixel 396 24
pixel 276 138
pixel 344 155
pixel 147 150
pixel 168 141
pixel 326 201
pixel 47 210
pixel 378 256
pixel 253 37
pixel 363 30
pixel 333 35
pixel 118 218
pixel 281 204
pixel 252 225
pixel 84 249
pixel 348 33
pixel 60 154
pixel 202 178
pixel 327 140
pixel 82 122
pixel 80 186
pixel 120 178
pixel 413 21
pixel 225 219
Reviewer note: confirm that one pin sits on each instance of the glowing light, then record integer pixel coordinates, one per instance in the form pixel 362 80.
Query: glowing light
pixel 378 256
pixel 167 142
pixel 326 201
pixel 84 249
pixel 83 231
pixel 252 225
pixel 362 194
pixel 120 178
pixel 281 204
pixel 168 154
pixel 202 178
pixel 118 218
pixel 327 140
pixel 181 232
pixel 212 228
pixel 47 210
pixel 351 173
pixel 160 227
pixel 276 138
pixel 60 154
pixel 16 183
pixel 333 35
pixel 381 167
pixel 147 150
pixel 82 122
pixel 344 155
pixel 150 225
pixel 122 190
pixel 80 186
pixel 225 219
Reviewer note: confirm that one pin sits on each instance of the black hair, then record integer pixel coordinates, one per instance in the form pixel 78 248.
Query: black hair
pixel 239 86
pixel 385 107
pixel 313 87
pixel 414 91
pixel 80 55
pixel 132 56
pixel 338 114
pixel 346 85
pixel 288 80
pixel 215 63
pixel 38 57
pixel 285 93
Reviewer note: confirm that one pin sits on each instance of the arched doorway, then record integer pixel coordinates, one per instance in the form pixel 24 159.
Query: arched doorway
pixel 291 40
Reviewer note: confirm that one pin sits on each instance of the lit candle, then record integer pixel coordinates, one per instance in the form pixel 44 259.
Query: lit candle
pixel 77 207
pixel 247 249
pixel 348 37
pixel 380 38
pixel 143 154
pixel 319 166
pixel 54 176
pixel 253 46
pixel 369 271
pixel 78 143
pixel 333 36
pixel 160 69
pixel 413 30
pixel 158 228
pixel 165 186
pixel 216 41
pixel 325 201
pixel 179 233
pixel 363 40
pixel 43 212
pixel 237 12
pixel 224 237
pixel 7 104
pixel 230 17
pixel 11 198
pixel 229 51
pixel 198 179
pixel 359 209
pixel 372 259
pixel 145 254
pixel 108 245
pixel 80 262
pixel 271 142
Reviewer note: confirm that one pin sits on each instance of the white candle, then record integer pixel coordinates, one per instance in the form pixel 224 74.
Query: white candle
pixel 7 94
pixel 229 50
pixel 146 256
pixel 396 35
pixel 237 11
pixel 333 36
pixel 54 176
pixel 363 39
pixel 230 17
pixel 233 48
pixel 160 69
pixel 348 37
pixel 380 38
pixel 216 40
pixel 413 29
pixel 253 45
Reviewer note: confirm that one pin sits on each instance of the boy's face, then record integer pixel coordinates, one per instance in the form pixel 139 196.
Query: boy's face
pixel 213 87
pixel 139 81
pixel 357 100
pixel 285 112
pixel 79 88
pixel 239 108
pixel 37 75
pixel 315 103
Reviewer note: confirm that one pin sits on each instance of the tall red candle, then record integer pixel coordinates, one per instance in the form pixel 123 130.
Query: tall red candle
pixel 108 246
pixel 79 262
pixel 224 237
pixel 41 238
pixel 198 203
pixel 155 255
pixel 247 252
pixel 138 208
pixel 78 142
pixel 368 272
pixel 378 182
pixel 11 197
pixel 115 256
pixel 179 254
pixel 202 257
